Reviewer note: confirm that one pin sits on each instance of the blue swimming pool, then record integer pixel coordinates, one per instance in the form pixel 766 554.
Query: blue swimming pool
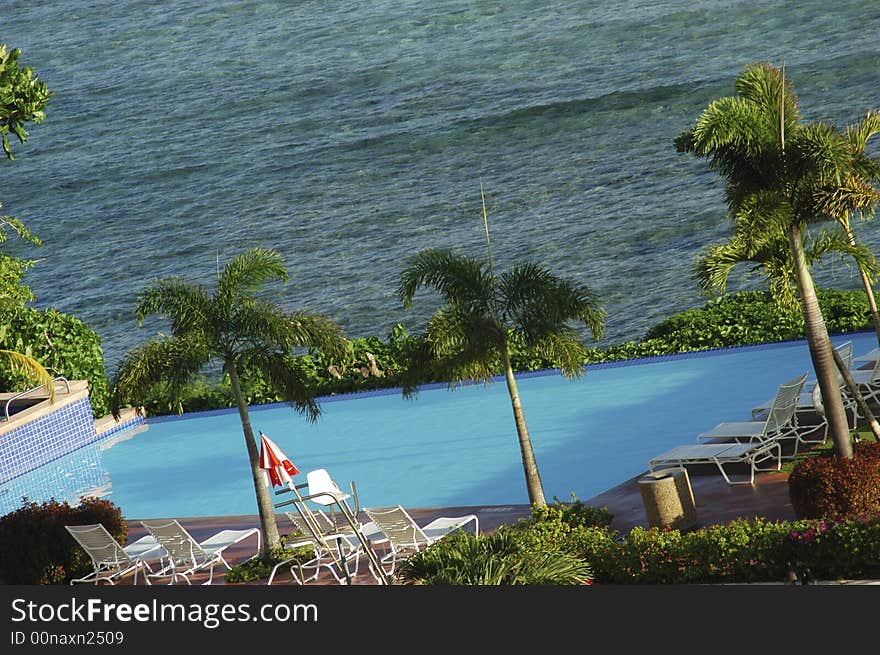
pixel 443 448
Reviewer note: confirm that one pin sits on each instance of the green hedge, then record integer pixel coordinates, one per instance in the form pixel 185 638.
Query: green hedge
pixel 63 344
pixel 741 551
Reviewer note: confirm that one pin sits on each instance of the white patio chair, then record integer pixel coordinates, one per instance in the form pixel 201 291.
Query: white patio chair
pixel 110 560
pixel 186 556
pixel 752 455
pixel 325 493
pixel 405 537
pixel 780 424
pixel 806 407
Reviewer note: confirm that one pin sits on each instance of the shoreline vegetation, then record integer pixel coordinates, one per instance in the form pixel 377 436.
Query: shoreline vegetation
pixel 736 319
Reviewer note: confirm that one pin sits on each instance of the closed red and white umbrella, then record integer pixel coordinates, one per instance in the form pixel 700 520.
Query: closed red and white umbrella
pixel 276 465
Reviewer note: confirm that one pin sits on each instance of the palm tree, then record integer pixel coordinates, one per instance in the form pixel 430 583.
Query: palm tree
pixel 240 331
pixel 780 175
pixel 769 252
pixel 863 171
pixel 468 337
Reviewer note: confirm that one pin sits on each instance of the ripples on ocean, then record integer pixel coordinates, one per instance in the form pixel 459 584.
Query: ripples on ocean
pixel 349 136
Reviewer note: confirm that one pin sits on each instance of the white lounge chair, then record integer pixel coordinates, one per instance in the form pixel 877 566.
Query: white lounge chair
pixel 405 537
pixel 868 381
pixel 871 356
pixel 186 556
pixel 334 548
pixel 110 560
pixel 752 455
pixel 806 406
pixel 780 424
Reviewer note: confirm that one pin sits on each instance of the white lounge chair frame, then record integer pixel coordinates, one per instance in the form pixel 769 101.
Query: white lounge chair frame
pixel 806 400
pixel 186 556
pixel 325 537
pixel 868 381
pixel 110 560
pixel 405 537
pixel 751 454
pixel 334 548
pixel 780 424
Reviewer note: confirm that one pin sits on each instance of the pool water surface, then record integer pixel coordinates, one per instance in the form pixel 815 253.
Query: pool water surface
pixel 442 448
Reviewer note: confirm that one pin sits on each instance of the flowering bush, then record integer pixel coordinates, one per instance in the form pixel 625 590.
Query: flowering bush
pixel 36 549
pixel 832 487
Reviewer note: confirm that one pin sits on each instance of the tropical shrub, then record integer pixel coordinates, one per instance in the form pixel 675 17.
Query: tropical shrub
pixel 36 549
pixel 496 559
pixel 743 550
pixel 732 320
pixel 259 568
pixel 574 513
pixel 63 344
pixel 752 317
pixel 832 487
pixel 836 549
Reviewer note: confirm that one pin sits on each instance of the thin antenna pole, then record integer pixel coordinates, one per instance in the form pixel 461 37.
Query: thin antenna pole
pixel 486 225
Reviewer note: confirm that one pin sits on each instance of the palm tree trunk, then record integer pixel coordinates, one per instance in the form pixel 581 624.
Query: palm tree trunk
pixel 821 350
pixel 271 538
pixel 853 388
pixel 872 303
pixel 530 466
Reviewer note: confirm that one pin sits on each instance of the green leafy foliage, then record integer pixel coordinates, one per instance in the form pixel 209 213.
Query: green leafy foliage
pixel 743 550
pixel 496 559
pixel 23 97
pixel 63 344
pixel 36 549
pixel 735 319
pixel 753 317
pixel 572 535
pixel 829 487
pixel 259 568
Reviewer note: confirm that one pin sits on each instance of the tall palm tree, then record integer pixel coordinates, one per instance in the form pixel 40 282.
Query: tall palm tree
pixel 468 337
pixel 769 252
pixel 779 175
pixel 242 332
pixel 862 172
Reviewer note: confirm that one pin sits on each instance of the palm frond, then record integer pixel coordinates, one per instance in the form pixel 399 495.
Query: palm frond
pixel 566 349
pixel 171 360
pixel 762 84
pixel 31 368
pixel 859 134
pixel 464 346
pixel 318 332
pixel 185 305
pixel 837 242
pixel 452 328
pixel 538 303
pixel 818 151
pixel 247 272
pixel 716 263
pixel 281 372
pixel 454 277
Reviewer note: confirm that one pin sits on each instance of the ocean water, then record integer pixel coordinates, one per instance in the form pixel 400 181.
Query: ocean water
pixel 348 135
